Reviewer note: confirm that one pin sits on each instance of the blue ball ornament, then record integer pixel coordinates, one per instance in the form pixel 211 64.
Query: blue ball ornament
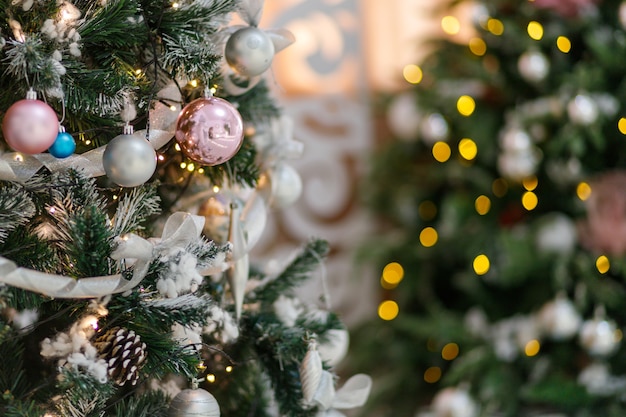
pixel 63 146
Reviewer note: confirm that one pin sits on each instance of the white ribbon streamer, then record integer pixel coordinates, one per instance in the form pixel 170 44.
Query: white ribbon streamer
pixel 353 394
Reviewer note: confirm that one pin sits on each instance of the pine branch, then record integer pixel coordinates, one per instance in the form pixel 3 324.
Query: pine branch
pixel 149 404
pixel 16 208
pixel 256 105
pixel 241 169
pixel 134 208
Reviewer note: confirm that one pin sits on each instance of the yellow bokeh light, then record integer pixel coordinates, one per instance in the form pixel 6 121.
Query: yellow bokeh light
pixel 564 44
pixel 388 310
pixel 530 200
pixel 427 210
pixel 393 273
pixel 450 351
pixel 478 46
pixel 530 183
pixel 229 369
pixel 583 191
pixel 499 187
pixel 603 264
pixel 450 25
pixel 432 374
pixel 468 149
pixel 466 105
pixel 210 378
pixel 386 285
pixel 194 83
pixel 495 26
pixel 619 335
pixel 428 237
pixel 441 151
pixel 532 348
pixel 482 205
pixel 412 73
pixel 621 125
pixel 535 30
pixel 481 264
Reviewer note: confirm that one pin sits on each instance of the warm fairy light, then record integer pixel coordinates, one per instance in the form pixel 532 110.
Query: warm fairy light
pixel 114 197
pixel 535 30
pixel 495 26
pixel 412 73
pixel 432 374
pixel 183 165
pixel 175 5
pixel 530 183
pixel 18 157
pixel 92 321
pixel 532 348
pixel 177 147
pixel 210 378
pixel 201 367
pixel 482 205
pixel 216 189
pixel 428 237
pixel 481 264
pixel 530 200
pixel 450 351
pixel 52 210
pixel 583 191
pixel 427 210
pixel 173 108
pixel 450 25
pixel 466 105
pixel 393 273
pixel 161 158
pixel 621 125
pixel 478 46
pixel 194 83
pixel 603 264
pixel 386 285
pixel 441 151
pixel 191 167
pixel 229 369
pixel 468 149
pixel 564 44
pixel 124 237
pixel 87 142
pixel 388 310
pixel 138 71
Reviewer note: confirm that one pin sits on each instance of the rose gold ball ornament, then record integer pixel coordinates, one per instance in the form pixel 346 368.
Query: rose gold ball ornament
pixel 129 160
pixel 30 126
pixel 209 130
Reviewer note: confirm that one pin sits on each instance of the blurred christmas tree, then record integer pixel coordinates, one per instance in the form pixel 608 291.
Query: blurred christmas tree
pixel 504 206
pixel 122 120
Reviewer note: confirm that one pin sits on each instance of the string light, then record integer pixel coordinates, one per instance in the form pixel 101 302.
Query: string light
pixel 161 157
pixel 191 167
pixel 478 46
pixel 482 205
pixel 530 183
pixel 183 165
pixel 535 30
pixel 201 171
pixel 450 25
pixel 388 310
pixel 427 210
pixel 432 374
pixel 87 142
pixel 603 264
pixel 481 264
pixel 175 5
pixel 229 369
pixel 468 149
pixel 530 200
pixel 393 273
pixel 216 189
pixel 495 26
pixel 532 348
pixel 466 105
pixel 412 73
pixel 18 157
pixel 563 44
pixel 210 378
pixel 194 83
pixel 138 71
pixel 173 108
pixel 177 147
pixel 441 151
pixel 621 125
pixel 450 351
pixel 201 367
pixel 583 191
pixel 428 237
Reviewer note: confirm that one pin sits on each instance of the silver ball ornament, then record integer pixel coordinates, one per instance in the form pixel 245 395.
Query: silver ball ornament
pixel 281 185
pixel 403 117
pixel 583 110
pixel 129 160
pixel 559 319
pixel 533 66
pixel 434 128
pixel 249 51
pixel 599 336
pixel 194 403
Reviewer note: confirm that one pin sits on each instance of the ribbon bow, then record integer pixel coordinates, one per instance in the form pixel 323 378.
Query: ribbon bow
pixel 353 394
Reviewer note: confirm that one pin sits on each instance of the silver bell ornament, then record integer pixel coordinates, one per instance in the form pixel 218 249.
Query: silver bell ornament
pixel 129 160
pixel 583 110
pixel 249 51
pixel 533 66
pixel 194 403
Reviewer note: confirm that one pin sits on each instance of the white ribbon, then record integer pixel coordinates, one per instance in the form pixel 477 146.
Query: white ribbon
pixel 353 394
pixel 180 229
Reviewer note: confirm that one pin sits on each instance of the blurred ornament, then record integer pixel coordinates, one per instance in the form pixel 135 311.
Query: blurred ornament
pixel 556 233
pixel 604 229
pixel 354 393
pixel 622 14
pixel 582 110
pixel 249 51
pixel 559 318
pixel 311 372
pixel 514 139
pixel 564 172
pixel 280 185
pixel 567 8
pixel 403 116
pixel 239 270
pixel 480 14
pixel 335 349
pixel 533 66
pixel 194 403
pixel 209 130
pixel 129 160
pixel 30 125
pixel 599 336
pixel 454 402
pixel 518 165
pixel 434 128
pixel 64 145
pixel 124 353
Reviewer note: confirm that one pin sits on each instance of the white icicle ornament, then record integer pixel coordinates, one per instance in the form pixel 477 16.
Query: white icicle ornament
pixel 310 372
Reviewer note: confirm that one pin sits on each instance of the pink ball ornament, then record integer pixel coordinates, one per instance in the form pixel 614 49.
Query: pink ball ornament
pixel 209 130
pixel 30 126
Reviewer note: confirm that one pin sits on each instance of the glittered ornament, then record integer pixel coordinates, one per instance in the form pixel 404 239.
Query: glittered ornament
pixel 533 66
pixel 583 110
pixel 311 372
pixel 30 125
pixel 209 130
pixel 194 403
pixel 249 51
pixel 64 145
pixel 129 160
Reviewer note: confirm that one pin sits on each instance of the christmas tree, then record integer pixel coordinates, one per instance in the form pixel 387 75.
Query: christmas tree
pixel 141 153
pixel 503 206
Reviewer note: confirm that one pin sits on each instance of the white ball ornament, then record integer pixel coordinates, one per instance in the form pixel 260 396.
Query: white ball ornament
pixel 454 402
pixel 129 160
pixel 515 140
pixel 281 185
pixel 434 128
pixel 194 403
pixel 599 336
pixel 518 165
pixel 583 110
pixel 533 66
pixel 249 51
pixel 335 349
pixel 557 233
pixel 559 318
pixel 403 117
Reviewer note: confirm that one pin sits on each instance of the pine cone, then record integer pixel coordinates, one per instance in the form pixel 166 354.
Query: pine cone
pixel 124 353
